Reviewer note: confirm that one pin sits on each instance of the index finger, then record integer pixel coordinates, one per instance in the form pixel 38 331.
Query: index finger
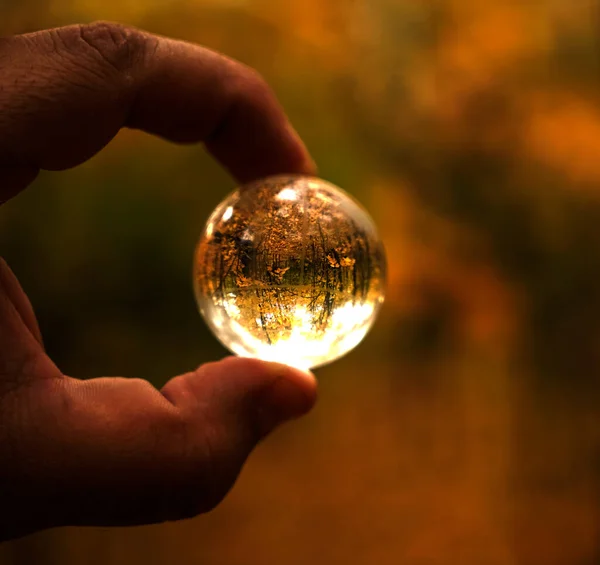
pixel 65 93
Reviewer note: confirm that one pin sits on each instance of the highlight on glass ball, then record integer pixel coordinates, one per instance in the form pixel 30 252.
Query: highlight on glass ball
pixel 290 269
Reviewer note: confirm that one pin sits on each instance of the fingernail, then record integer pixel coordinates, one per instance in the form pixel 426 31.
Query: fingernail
pixel 285 399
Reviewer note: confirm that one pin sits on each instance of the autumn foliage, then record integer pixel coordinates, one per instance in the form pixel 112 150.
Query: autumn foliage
pixel 465 430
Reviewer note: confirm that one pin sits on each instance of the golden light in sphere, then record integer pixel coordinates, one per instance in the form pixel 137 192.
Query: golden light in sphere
pixel 290 269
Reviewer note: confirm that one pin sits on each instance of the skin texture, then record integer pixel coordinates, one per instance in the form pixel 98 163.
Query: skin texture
pixel 117 451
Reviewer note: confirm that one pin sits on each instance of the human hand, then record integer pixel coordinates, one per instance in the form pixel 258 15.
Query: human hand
pixel 116 451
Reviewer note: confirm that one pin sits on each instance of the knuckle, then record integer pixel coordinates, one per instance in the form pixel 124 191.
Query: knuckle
pixel 253 77
pixel 250 89
pixel 254 83
pixel 117 45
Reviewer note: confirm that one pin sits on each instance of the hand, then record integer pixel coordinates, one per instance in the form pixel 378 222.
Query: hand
pixel 116 451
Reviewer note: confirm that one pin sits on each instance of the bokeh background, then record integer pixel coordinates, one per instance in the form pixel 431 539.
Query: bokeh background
pixel 466 428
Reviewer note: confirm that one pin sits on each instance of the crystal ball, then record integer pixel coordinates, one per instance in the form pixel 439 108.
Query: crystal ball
pixel 290 269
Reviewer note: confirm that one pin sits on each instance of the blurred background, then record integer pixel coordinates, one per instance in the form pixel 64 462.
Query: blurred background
pixel 465 430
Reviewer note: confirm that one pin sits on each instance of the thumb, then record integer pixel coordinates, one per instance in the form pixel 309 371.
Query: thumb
pixel 233 404
pixel 115 451
pixel 246 397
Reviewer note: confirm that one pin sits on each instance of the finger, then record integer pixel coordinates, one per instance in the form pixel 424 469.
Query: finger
pixel 15 295
pixel 66 92
pixel 123 453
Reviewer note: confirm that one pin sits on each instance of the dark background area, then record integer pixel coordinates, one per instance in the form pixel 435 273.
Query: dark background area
pixel 465 430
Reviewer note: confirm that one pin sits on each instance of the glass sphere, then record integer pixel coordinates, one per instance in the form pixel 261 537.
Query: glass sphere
pixel 290 269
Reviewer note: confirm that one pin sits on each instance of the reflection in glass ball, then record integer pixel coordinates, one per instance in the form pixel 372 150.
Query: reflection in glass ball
pixel 290 269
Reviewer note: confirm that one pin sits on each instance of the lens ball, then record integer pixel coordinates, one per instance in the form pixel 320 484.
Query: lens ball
pixel 290 269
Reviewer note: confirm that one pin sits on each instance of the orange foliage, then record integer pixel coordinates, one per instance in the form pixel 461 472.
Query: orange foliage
pixel 455 460
pixel 563 133
pixel 489 309
pixel 486 43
